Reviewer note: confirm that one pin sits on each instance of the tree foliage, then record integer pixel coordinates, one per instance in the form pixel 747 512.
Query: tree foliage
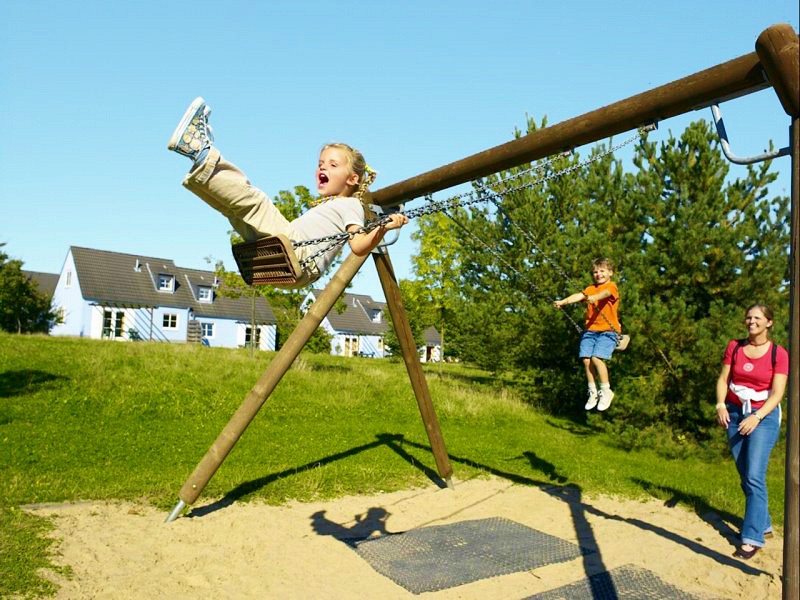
pixel 693 249
pixel 23 307
pixel 436 266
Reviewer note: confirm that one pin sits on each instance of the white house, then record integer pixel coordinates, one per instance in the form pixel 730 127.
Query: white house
pixel 432 350
pixel 356 331
pixel 102 294
pixel 359 330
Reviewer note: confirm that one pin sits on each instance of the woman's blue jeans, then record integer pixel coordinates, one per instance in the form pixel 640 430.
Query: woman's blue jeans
pixel 751 455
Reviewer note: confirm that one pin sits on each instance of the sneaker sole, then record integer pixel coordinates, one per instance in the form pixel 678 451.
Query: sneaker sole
pixel 190 113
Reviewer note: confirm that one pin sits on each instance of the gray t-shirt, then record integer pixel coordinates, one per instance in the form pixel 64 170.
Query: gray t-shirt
pixel 330 217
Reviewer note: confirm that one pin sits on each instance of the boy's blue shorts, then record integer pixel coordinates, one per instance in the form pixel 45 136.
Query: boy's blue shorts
pixel 597 343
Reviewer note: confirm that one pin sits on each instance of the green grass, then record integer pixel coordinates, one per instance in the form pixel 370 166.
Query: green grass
pixel 85 419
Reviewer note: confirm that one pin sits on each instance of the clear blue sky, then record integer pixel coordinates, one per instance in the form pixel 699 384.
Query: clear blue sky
pixel 90 92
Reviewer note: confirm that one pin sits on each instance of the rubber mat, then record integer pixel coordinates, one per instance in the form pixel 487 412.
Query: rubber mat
pixel 445 556
pixel 627 582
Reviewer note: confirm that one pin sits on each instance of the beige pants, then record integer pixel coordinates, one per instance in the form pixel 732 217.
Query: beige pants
pixel 250 211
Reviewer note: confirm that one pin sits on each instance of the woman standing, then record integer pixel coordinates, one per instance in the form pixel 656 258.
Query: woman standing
pixel 749 390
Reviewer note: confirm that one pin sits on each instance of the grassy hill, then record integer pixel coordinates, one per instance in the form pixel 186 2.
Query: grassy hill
pixel 88 419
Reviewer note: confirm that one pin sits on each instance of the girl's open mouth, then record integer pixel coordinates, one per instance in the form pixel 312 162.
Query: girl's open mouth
pixel 323 178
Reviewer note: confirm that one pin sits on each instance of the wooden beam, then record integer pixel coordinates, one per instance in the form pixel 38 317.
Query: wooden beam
pixel 408 348
pixel 738 77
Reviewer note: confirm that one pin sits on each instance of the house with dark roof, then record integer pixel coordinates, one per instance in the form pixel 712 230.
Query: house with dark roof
pixel 102 294
pixel 45 282
pixel 360 328
pixel 356 331
pixel 432 350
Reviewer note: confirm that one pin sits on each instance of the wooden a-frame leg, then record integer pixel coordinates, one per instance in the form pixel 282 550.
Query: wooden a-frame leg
pixel 224 443
pixel 408 347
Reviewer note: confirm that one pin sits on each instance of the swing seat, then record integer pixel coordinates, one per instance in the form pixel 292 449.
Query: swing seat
pixel 268 261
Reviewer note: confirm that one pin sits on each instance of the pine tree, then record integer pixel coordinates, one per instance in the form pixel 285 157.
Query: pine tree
pixel 693 249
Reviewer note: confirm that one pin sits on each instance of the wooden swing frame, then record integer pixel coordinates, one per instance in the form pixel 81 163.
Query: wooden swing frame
pixel 775 63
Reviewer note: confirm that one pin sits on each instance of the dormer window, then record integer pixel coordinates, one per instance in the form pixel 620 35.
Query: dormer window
pixel 376 316
pixel 204 293
pixel 166 283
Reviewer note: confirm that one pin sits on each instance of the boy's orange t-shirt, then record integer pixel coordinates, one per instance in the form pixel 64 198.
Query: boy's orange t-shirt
pixel 607 307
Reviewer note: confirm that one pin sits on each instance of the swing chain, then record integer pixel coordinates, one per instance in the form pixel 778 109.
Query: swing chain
pixel 526 280
pixel 480 194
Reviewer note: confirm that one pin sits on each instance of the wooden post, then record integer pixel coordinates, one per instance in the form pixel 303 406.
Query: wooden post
pixel 791 517
pixel 779 52
pixel 225 441
pixel 408 347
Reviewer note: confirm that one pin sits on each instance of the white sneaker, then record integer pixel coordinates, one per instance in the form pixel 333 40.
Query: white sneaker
pixel 591 402
pixel 606 396
pixel 193 135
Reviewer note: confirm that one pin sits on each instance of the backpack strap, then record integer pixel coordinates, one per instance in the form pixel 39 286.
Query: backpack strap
pixel 739 344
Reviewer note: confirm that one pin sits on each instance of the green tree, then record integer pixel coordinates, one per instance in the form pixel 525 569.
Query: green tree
pixel 23 308
pixel 436 266
pixel 693 248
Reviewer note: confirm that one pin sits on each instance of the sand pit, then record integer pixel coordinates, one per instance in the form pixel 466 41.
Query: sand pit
pixel 249 550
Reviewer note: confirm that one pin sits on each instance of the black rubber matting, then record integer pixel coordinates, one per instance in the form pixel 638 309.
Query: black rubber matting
pixel 627 582
pixel 444 556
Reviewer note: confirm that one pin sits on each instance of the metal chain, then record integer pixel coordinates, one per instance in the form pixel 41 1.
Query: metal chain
pixel 526 234
pixel 465 199
pixel 532 286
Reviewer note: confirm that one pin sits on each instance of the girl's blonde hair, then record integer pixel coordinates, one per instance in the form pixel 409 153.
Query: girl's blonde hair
pixel 358 164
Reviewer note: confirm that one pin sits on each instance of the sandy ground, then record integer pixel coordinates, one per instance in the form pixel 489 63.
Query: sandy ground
pixel 295 551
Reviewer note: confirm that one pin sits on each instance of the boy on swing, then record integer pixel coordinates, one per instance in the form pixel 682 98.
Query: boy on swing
pixel 342 178
pixel 602 332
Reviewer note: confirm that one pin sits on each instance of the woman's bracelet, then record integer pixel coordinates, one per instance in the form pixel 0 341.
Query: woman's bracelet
pixel 755 414
pixel 719 405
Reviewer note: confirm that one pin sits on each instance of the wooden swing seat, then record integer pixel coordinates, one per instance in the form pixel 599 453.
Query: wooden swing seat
pixel 268 261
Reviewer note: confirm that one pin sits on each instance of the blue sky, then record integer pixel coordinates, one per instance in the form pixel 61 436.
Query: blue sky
pixel 90 92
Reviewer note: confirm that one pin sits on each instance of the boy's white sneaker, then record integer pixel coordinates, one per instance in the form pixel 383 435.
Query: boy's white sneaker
pixel 591 402
pixel 606 396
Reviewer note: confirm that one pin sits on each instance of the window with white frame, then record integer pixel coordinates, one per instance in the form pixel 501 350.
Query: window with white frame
pixel 350 345
pixel 204 293
pixel 207 330
pixel 248 336
pixel 113 323
pixel 170 321
pixel 376 316
pixel 166 283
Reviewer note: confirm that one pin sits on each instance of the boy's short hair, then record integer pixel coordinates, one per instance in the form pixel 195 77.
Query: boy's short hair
pixel 603 262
